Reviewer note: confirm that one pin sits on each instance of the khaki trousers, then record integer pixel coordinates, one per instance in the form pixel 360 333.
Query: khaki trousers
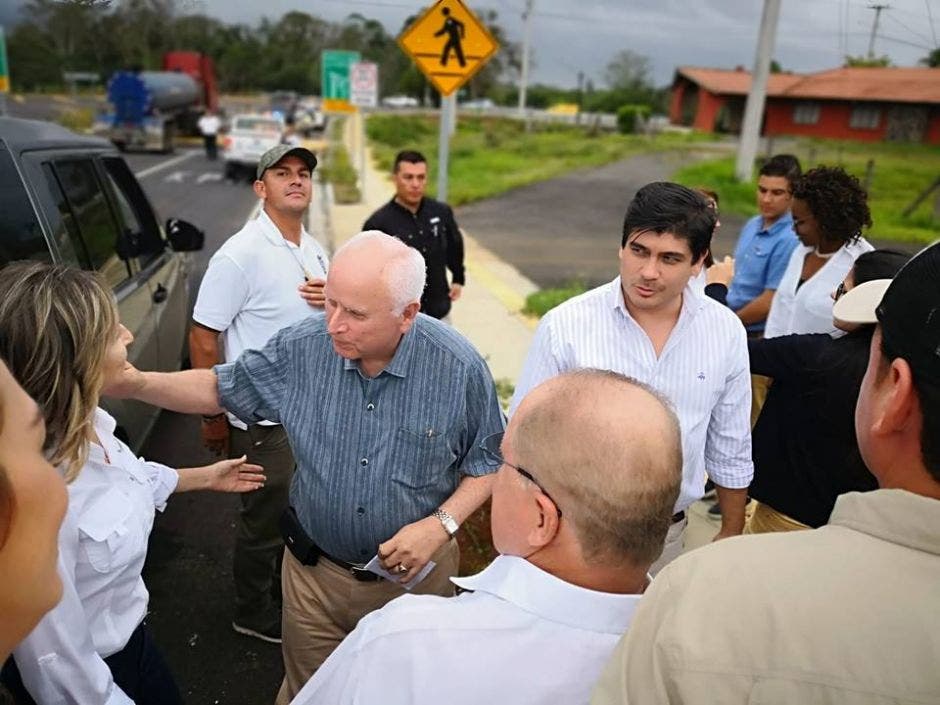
pixel 323 603
pixel 765 520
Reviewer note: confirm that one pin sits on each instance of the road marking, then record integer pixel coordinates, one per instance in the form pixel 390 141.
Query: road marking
pixel 176 177
pixel 209 176
pixel 163 165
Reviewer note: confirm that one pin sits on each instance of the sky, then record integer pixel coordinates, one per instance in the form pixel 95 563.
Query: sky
pixel 569 36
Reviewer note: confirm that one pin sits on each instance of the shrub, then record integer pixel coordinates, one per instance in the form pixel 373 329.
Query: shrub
pixel 541 302
pixel 629 117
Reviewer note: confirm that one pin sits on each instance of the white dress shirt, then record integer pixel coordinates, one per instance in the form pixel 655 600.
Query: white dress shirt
pixel 808 308
pixel 703 370
pixel 523 637
pixel 102 547
pixel 249 291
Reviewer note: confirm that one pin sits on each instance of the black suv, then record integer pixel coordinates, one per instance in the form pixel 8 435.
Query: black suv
pixel 72 199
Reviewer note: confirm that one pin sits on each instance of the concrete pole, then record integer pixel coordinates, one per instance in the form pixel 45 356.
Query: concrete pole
pixel 754 110
pixel 524 77
pixel 443 146
pixel 874 27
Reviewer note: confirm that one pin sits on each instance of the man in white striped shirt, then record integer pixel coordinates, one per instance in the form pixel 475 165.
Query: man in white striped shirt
pixel 650 325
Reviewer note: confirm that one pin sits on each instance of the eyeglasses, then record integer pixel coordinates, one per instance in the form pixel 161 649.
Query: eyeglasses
pixel 494 456
pixel 840 290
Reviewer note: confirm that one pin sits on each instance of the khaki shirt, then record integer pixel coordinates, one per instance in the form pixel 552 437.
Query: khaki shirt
pixel 848 613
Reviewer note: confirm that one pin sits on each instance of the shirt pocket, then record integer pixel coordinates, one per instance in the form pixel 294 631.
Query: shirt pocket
pixel 422 459
pixel 111 537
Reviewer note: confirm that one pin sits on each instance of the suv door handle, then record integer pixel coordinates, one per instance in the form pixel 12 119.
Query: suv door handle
pixel 159 296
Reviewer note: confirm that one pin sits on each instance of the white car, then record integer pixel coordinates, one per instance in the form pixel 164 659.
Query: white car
pixel 248 138
pixel 400 101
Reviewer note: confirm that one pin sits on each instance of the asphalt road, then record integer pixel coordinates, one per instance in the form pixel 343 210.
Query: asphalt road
pixel 569 228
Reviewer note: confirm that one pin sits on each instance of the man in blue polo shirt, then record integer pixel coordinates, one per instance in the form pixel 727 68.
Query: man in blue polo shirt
pixel 765 244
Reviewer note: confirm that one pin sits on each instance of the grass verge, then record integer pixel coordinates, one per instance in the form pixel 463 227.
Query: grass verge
pixel 899 173
pixel 542 301
pixel 491 155
pixel 337 168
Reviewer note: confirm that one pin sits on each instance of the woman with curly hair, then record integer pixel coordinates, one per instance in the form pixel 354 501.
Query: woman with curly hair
pixel 830 209
pixel 62 340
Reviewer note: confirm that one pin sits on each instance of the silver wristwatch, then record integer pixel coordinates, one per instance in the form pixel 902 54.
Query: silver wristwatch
pixel 447 521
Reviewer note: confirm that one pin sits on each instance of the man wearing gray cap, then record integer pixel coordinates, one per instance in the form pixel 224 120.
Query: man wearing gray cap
pixel 846 613
pixel 267 276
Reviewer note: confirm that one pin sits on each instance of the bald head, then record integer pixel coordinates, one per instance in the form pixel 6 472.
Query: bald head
pixel 608 449
pixel 377 257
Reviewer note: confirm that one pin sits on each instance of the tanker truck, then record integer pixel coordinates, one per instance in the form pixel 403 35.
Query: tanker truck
pixel 151 107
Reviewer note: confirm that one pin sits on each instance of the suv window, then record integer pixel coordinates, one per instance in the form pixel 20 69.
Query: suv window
pixel 135 211
pixel 89 219
pixel 20 233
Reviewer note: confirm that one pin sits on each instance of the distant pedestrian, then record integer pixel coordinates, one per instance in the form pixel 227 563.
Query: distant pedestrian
pixel 60 333
pixel 830 210
pixel 426 225
pixel 267 276
pixel 209 125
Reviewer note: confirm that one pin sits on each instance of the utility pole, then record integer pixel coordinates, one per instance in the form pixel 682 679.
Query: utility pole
pixel 524 77
pixel 874 28
pixel 757 96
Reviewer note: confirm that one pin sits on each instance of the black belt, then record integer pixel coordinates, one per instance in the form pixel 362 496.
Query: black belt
pixel 357 571
pixel 678 516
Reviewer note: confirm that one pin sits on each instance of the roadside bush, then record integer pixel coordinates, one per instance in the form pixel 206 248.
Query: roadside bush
pixel 541 302
pixel 629 117
pixel 78 119
pixel 399 131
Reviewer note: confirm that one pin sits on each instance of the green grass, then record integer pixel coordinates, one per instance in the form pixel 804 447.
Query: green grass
pixel 544 300
pixel 337 168
pixel 900 173
pixel 491 155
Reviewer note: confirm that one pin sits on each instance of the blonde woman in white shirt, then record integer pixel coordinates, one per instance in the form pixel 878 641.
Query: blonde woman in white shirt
pixel 830 210
pixel 60 335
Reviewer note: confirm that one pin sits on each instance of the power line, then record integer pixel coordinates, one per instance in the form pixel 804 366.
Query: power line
pixel 909 29
pixel 874 27
pixel 933 30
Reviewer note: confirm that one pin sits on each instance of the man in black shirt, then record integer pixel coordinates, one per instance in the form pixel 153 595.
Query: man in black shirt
pixel 426 225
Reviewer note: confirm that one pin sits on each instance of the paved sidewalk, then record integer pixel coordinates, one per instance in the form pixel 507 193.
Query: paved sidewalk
pixel 489 311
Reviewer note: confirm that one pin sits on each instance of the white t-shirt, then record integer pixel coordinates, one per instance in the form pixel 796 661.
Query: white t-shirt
pixel 809 308
pixel 209 124
pixel 249 291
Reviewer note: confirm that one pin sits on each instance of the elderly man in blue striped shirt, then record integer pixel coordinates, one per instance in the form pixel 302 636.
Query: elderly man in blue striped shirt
pixel 649 324
pixel 385 409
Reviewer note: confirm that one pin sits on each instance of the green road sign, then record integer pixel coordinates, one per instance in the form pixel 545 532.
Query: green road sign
pixel 4 65
pixel 335 73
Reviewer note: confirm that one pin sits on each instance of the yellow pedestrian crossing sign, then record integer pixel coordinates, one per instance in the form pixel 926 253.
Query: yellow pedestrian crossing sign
pixel 449 44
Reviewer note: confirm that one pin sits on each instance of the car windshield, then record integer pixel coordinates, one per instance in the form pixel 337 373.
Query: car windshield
pixel 257 125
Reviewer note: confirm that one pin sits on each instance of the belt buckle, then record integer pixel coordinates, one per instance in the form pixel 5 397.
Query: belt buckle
pixel 361 574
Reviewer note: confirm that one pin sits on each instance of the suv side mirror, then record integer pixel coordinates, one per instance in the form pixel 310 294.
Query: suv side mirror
pixel 183 236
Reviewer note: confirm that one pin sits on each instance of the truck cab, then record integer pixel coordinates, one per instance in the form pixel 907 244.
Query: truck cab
pixel 71 199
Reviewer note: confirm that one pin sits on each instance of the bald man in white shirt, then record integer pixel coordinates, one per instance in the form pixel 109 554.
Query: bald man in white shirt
pixel 581 505
pixel 649 324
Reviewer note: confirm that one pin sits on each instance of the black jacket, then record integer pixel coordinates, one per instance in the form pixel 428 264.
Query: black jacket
pixel 434 233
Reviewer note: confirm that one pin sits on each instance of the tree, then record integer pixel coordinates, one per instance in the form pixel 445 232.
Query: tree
pixel 628 71
pixel 865 62
pixel 775 66
pixel 932 59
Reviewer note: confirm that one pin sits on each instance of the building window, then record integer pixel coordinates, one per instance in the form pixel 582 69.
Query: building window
pixel 806 113
pixel 865 117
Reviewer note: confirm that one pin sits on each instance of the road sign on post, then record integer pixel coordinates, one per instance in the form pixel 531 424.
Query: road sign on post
pixel 449 44
pixel 4 65
pixel 364 84
pixel 335 79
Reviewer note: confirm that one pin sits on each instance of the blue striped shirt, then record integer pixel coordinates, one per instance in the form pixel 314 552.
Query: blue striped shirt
pixel 373 454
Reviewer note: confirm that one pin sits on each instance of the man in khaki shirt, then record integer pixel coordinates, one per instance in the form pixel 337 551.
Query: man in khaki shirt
pixel 848 613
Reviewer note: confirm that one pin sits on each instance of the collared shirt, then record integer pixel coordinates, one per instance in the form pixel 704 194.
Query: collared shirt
pixel 807 307
pixel 703 370
pixel 432 231
pixel 522 636
pixel 102 547
pixel 848 613
pixel 388 449
pixel 760 259
pixel 249 291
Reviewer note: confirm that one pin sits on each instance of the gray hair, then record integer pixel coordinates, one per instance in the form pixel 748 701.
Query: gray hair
pixel 404 271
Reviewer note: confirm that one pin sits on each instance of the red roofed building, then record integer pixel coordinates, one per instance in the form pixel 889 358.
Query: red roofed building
pixel 869 104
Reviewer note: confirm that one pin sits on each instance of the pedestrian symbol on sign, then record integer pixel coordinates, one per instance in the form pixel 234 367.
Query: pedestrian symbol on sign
pixel 454 30
pixel 449 44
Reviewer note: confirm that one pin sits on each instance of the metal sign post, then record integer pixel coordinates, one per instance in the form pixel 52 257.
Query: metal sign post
pixel 363 93
pixel 4 74
pixel 443 144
